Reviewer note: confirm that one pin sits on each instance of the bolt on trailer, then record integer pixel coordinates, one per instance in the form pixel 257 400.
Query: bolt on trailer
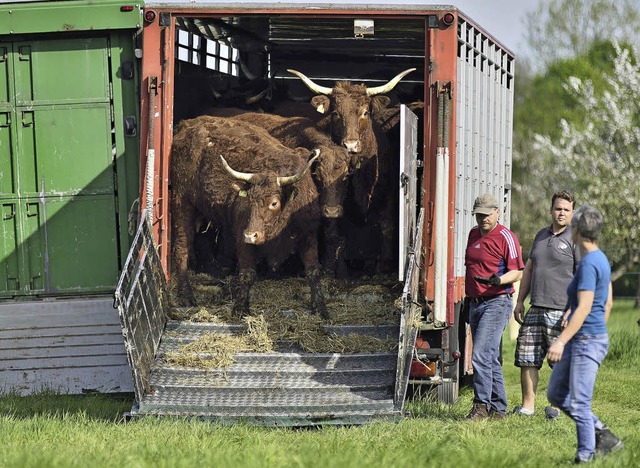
pixel 443 134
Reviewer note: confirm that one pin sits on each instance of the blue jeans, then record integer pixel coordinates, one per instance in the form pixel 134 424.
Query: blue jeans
pixel 487 321
pixel 571 387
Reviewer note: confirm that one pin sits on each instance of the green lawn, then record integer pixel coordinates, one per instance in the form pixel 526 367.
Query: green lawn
pixel 88 431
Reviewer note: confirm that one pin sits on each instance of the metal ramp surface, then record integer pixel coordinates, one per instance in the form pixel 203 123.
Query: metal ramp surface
pixel 281 388
pixel 285 387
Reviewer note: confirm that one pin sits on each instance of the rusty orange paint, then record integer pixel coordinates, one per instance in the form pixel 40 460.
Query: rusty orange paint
pixel 442 46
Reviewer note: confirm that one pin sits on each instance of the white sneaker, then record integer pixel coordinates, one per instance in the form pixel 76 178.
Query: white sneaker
pixel 522 411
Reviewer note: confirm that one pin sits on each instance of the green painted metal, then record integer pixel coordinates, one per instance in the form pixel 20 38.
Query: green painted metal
pixel 66 16
pixel 126 103
pixel 68 174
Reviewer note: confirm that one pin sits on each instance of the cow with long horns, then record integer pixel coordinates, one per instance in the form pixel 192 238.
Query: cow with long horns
pixel 239 177
pixel 349 109
pixel 331 172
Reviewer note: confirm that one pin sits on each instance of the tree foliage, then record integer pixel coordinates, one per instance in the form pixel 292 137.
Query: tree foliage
pixel 598 155
pixel 541 104
pixel 561 29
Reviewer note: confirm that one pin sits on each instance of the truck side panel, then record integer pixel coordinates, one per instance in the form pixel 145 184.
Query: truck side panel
pixel 484 121
pixel 68 121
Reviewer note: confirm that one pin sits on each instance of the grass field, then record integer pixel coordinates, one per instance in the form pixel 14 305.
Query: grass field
pixel 48 430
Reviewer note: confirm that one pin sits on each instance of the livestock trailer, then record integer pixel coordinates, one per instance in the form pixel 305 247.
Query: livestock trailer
pixel 68 178
pixel 199 55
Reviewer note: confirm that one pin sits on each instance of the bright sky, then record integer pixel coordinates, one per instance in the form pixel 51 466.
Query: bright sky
pixel 503 19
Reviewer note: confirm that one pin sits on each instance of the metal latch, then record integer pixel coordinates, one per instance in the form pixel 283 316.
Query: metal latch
pixel 130 126
pixel 127 70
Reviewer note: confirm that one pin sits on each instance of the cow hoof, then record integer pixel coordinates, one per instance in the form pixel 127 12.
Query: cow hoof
pixel 238 317
pixel 321 311
pixel 185 298
pixel 239 312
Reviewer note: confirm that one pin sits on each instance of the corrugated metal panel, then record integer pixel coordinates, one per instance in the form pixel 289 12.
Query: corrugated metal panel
pixel 70 346
pixel 484 123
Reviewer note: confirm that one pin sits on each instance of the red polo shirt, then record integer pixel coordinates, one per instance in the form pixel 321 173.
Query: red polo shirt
pixel 497 252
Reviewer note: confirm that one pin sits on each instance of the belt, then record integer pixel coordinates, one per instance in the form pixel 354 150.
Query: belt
pixel 481 299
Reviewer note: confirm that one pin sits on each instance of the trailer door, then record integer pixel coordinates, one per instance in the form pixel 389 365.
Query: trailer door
pixel 408 185
pixel 58 192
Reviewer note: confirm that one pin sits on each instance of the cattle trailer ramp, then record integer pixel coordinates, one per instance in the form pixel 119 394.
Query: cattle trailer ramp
pixel 287 387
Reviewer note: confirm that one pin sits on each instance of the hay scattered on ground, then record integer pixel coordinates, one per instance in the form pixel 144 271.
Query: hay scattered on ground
pixel 217 350
pixel 257 334
pixel 279 318
pixel 373 301
pixel 211 351
pixel 264 335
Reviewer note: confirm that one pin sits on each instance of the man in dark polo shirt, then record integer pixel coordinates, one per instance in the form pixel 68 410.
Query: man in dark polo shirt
pixel 493 263
pixel 553 260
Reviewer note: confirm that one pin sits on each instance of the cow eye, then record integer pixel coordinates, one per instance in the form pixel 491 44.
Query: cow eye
pixel 274 204
pixel 365 113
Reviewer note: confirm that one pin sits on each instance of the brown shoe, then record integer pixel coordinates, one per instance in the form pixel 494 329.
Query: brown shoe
pixel 479 411
pixel 495 415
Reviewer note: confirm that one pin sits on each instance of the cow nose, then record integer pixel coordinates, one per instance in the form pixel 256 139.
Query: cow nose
pixel 253 237
pixel 332 211
pixel 353 146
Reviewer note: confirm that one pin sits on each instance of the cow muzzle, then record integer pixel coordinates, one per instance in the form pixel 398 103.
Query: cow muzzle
pixel 329 211
pixel 254 237
pixel 353 146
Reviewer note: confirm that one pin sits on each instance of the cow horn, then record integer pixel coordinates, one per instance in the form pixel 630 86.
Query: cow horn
pixel 246 176
pixel 256 98
pixel 311 85
pixel 390 85
pixel 288 180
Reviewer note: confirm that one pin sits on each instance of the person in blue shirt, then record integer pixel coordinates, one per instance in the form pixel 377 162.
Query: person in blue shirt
pixel 581 347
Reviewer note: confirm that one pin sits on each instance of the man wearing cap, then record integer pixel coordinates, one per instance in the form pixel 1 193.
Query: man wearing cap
pixel 493 263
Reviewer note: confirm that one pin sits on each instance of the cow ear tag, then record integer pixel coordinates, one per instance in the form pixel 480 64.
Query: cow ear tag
pixel 320 108
pixel 242 193
pixel 358 164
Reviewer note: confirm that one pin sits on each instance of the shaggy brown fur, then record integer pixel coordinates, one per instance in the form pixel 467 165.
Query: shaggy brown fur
pixel 331 173
pixel 265 219
pixel 371 187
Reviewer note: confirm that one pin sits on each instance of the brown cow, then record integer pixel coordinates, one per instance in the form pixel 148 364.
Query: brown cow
pixel 261 192
pixel 334 162
pixel 349 109
pixel 331 172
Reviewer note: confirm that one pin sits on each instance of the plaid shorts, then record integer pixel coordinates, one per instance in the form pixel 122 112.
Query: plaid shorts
pixel 540 327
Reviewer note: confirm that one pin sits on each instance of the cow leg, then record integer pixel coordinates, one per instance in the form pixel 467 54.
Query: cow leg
pixel 314 274
pixel 389 229
pixel 317 297
pixel 183 232
pixel 331 238
pixel 342 272
pixel 334 262
pixel 246 277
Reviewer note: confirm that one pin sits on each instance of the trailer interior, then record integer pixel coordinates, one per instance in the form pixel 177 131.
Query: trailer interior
pixel 242 61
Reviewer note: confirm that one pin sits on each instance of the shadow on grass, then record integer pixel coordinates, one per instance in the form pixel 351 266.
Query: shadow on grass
pixel 100 406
